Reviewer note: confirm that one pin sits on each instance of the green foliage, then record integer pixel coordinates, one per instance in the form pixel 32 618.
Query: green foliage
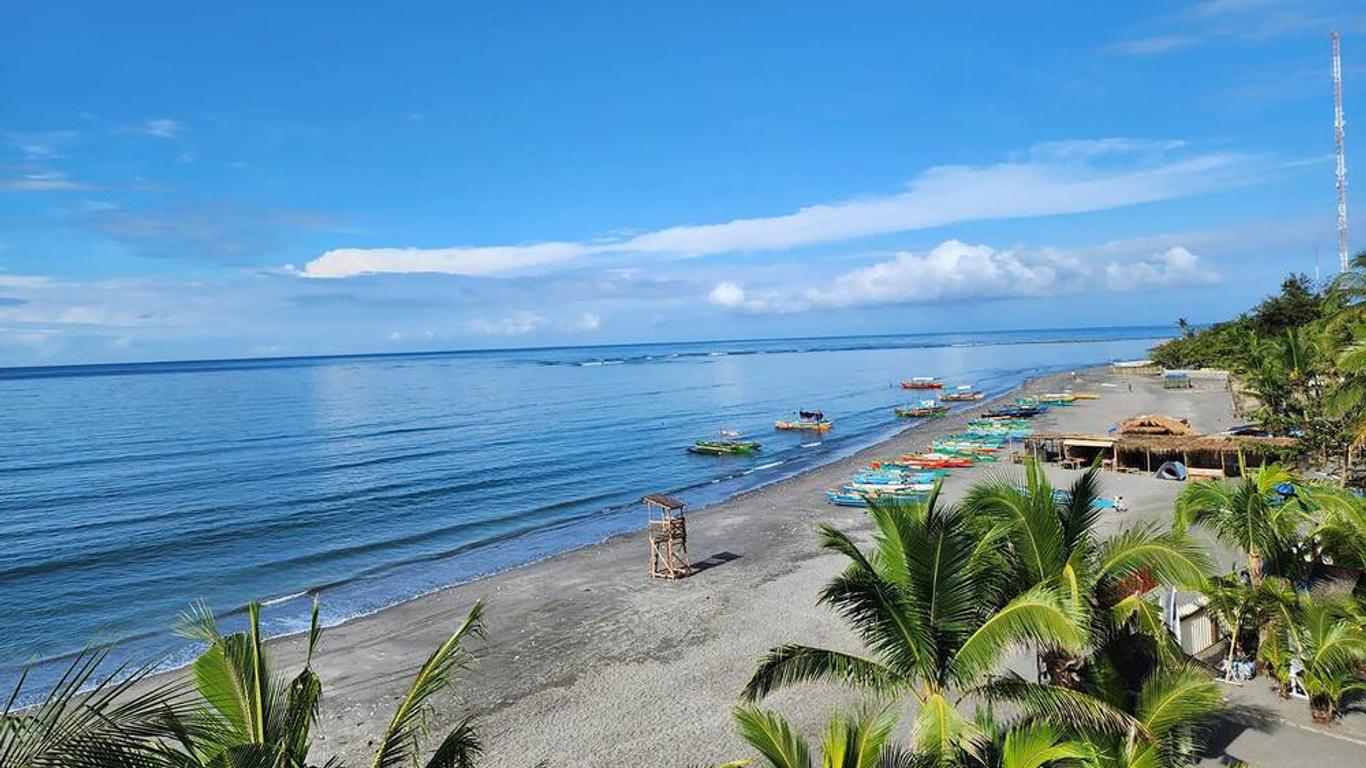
pixel 91 718
pixel 1227 344
pixel 943 594
pixel 237 710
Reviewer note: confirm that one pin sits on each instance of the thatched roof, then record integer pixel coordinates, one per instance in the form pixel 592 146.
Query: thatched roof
pixel 1168 443
pixel 1155 424
pixel 1196 442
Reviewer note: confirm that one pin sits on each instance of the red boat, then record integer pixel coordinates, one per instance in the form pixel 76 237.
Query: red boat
pixel 921 382
pixel 933 461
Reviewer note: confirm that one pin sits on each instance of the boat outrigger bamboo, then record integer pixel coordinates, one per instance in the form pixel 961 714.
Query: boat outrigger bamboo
pixel 724 447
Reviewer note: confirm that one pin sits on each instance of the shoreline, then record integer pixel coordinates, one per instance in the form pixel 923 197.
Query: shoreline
pixel 588 662
pixel 180 659
pixel 598 589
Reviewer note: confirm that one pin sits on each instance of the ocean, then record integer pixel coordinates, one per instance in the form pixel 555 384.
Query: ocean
pixel 128 491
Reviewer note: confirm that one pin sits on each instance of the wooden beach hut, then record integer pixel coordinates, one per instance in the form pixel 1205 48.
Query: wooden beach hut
pixel 1142 443
pixel 668 533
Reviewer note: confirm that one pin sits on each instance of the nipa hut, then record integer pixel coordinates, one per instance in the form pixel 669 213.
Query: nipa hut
pixel 1143 443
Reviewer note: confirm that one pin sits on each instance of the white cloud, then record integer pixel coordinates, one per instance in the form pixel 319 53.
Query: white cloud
pixel 1060 178
pixel 348 262
pixel 162 128
pixel 516 324
pixel 727 294
pixel 956 271
pixel 586 323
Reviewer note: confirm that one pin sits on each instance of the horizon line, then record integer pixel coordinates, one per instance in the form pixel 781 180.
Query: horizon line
pixel 5 369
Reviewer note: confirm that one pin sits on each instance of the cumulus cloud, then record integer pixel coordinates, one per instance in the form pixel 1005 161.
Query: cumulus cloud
pixel 515 324
pixel 956 271
pixel 1061 178
pixel 727 294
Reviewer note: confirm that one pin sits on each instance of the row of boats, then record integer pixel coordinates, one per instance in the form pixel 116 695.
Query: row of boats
pixel 912 476
pixel 815 421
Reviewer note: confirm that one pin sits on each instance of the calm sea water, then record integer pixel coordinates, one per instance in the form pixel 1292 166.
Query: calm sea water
pixel 127 491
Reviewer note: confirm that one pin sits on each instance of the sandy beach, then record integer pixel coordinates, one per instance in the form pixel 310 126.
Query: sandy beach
pixel 589 662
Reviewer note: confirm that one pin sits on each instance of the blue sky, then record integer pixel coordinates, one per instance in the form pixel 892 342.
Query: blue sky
pixel 314 178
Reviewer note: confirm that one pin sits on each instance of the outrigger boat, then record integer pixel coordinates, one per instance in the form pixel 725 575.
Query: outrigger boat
pixel 724 447
pixel 1018 411
pixel 855 496
pixel 1050 398
pixel 935 461
pixel 813 421
pixel 926 409
pixel 922 382
pixel 963 394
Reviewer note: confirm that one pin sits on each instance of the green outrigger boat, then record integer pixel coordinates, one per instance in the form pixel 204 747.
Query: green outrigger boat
pixel 724 447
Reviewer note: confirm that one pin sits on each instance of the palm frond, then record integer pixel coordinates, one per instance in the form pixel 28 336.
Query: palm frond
pixel 460 749
pixel 788 665
pixel 91 717
pixel 400 742
pixel 773 737
pixel 942 732
pixel 1063 707
pixel 1037 616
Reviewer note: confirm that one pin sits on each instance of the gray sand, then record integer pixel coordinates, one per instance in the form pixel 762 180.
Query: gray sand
pixel 588 662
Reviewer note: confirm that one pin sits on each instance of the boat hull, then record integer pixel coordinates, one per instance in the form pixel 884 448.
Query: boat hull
pixel 808 426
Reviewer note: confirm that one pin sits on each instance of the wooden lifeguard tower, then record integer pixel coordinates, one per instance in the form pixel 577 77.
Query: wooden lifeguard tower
pixel 668 531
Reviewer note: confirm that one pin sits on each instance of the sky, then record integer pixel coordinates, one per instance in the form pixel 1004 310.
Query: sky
pixel 182 180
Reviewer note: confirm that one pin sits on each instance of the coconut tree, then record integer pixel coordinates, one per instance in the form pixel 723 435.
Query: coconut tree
pixel 863 741
pixel 90 718
pixel 931 606
pixel 1174 707
pixel 1049 537
pixel 1328 642
pixel 252 715
pixel 1247 513
pixel 1233 602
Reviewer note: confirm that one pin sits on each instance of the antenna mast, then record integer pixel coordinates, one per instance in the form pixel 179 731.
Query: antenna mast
pixel 1338 125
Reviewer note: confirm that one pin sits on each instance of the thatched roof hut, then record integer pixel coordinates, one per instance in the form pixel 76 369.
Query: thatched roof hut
pixel 1155 424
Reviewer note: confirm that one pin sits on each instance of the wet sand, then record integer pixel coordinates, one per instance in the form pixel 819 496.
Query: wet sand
pixel 587 662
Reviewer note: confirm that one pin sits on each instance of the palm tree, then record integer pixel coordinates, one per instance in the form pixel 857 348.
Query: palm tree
pixel 1174 707
pixel 252 715
pixel 1244 514
pixel 1234 603
pixel 90 718
pixel 1328 643
pixel 931 607
pixel 864 742
pixel 1049 538
pixel 850 742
